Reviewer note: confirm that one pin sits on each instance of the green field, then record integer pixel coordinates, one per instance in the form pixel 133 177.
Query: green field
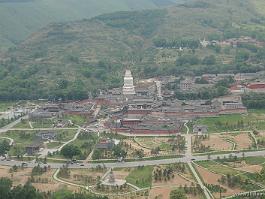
pixel 141 177
pixel 218 168
pixel 254 119
pixel 254 160
pixel 152 143
pixel 76 119
pixel 52 145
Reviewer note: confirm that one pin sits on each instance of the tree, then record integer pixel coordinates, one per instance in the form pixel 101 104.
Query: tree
pixel 5 187
pixel 209 60
pixel 69 151
pixel 97 154
pixel 177 194
pixel 4 147
pixel 242 56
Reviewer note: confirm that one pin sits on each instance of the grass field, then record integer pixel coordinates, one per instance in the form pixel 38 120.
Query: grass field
pixel 152 143
pixel 218 168
pixel 254 119
pixel 52 145
pixel 44 123
pixel 254 160
pixel 141 177
pixel 76 119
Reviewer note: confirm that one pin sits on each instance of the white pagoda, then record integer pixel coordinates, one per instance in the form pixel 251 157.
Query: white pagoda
pixel 128 87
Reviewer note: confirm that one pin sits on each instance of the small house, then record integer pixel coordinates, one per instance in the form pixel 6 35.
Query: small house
pixel 47 135
pixel 200 129
pixel 106 144
pixel 32 149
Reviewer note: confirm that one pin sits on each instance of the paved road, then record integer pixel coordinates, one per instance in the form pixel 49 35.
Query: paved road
pixel 188 155
pixel 141 163
pixel 41 129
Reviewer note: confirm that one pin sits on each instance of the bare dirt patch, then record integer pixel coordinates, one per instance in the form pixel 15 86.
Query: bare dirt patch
pixel 242 140
pixel 217 143
pixel 212 178
pixel 161 193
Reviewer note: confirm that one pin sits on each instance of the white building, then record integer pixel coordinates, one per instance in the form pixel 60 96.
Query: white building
pixel 128 87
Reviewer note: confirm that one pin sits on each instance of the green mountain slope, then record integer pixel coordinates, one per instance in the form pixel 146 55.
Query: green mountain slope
pixel 69 59
pixel 19 18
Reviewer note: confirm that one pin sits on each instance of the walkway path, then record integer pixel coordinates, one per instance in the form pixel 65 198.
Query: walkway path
pixel 46 151
pixel 12 124
pixel 30 124
pixel 254 138
pixel 89 157
pixel 11 141
pixel 188 156
pixel 198 179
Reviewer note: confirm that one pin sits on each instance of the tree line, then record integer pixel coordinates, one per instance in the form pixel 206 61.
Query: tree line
pixel 27 191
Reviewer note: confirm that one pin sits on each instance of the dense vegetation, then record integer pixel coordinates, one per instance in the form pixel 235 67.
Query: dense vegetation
pixel 254 101
pixel 72 60
pixel 27 191
pixel 20 18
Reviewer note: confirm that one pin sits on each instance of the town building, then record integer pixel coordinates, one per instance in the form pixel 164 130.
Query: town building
pixel 258 87
pixel 186 85
pixel 106 144
pixel 49 135
pixel 33 149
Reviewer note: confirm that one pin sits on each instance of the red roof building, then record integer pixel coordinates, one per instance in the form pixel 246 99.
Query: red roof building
pixel 256 87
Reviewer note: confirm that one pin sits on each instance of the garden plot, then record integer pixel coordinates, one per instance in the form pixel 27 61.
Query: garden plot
pixel 217 143
pixel 86 176
pixel 242 140
pixel 45 183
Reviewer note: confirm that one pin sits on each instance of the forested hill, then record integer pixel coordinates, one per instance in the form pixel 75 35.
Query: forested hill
pixel 69 59
pixel 20 18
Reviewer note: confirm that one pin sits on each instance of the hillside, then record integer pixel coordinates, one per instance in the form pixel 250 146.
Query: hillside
pixel 69 59
pixel 20 18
